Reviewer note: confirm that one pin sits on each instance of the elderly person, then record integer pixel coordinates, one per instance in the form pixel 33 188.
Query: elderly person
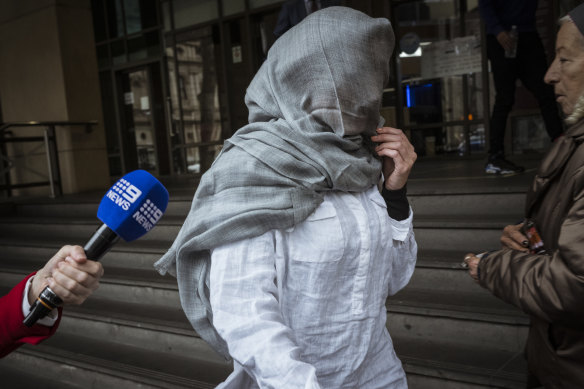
pixel 301 248
pixel 547 282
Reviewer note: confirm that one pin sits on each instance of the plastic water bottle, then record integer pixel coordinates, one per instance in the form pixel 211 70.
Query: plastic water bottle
pixel 512 52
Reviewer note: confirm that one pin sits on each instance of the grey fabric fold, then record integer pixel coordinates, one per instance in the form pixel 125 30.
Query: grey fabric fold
pixel 313 106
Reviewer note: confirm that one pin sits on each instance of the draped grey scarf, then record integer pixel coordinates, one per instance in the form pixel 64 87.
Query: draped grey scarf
pixel 313 106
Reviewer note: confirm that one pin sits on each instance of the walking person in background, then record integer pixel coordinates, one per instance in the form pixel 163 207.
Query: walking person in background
pixel 515 52
pixel 541 266
pixel 69 274
pixel 301 248
pixel 293 11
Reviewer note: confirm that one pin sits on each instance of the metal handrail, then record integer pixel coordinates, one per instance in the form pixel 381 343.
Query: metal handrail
pixel 88 124
pixel 50 143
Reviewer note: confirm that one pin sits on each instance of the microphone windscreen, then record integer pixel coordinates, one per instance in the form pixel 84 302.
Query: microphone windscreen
pixel 133 205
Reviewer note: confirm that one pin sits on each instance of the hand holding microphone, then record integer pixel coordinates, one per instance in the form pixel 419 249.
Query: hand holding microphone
pixel 69 274
pixel 130 209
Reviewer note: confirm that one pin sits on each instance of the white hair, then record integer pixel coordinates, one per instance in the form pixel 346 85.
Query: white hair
pixel 577 112
pixel 565 19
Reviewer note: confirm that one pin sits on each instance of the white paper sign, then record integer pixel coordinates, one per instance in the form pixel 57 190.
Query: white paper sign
pixel 144 103
pixel 236 54
pixel 451 58
pixel 129 98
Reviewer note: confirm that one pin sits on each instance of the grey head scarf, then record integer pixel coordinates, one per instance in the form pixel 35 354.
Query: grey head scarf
pixel 313 106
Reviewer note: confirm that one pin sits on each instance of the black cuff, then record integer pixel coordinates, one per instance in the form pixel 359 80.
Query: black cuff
pixel 398 207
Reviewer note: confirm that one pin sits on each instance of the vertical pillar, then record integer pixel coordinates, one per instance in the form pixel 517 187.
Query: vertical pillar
pixel 49 72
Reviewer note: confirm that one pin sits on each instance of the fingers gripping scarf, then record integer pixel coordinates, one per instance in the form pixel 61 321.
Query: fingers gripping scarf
pixel 313 107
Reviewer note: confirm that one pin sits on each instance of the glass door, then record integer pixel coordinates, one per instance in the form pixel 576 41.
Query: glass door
pixel 143 130
pixel 194 71
pixel 138 126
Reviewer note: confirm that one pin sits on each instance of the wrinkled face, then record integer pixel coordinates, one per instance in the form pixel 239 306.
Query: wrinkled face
pixel 566 72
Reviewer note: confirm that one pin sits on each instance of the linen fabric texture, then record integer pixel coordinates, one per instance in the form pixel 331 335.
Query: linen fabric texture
pixel 313 107
pixel 306 308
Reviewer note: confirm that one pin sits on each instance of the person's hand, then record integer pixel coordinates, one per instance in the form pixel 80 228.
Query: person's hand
pixel 472 262
pixel 398 156
pixel 505 40
pixel 512 238
pixel 69 274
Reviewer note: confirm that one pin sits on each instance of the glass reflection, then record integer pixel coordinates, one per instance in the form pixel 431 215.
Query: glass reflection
pixel 196 88
pixel 440 68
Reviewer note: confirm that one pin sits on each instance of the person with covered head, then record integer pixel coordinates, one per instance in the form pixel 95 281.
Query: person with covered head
pixel 288 254
pixel 545 277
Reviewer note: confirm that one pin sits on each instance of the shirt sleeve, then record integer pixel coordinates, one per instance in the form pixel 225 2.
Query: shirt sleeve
pixel 550 287
pixel 48 320
pixel 247 315
pixel 398 207
pixel 404 253
pixel 13 333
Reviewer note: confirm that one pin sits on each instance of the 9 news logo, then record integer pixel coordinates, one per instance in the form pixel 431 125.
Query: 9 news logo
pixel 148 215
pixel 124 194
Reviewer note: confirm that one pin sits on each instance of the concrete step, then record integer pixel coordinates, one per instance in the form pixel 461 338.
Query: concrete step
pixel 449 237
pixel 84 362
pixel 58 208
pixel 437 234
pixel 147 288
pixel 132 332
pixel 140 310
pixel 34 257
pixel 436 204
pixel 469 320
pixel 438 365
pixel 467 204
pixel 14 377
pixel 156 331
pixel 72 230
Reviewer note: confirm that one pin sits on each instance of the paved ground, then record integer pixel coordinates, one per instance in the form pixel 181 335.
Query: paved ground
pixel 448 175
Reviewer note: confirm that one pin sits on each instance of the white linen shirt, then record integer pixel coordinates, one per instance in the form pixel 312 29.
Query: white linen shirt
pixel 305 307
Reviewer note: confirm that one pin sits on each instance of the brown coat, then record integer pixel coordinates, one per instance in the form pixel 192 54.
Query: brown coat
pixel 550 287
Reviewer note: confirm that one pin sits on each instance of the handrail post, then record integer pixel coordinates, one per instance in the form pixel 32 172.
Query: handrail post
pixel 52 161
pixel 5 167
pixel 49 163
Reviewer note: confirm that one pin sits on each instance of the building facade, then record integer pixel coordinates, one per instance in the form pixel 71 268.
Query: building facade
pixel 172 76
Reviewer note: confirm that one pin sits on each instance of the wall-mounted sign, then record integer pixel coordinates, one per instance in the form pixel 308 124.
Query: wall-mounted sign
pixel 144 103
pixel 129 98
pixel 451 58
pixel 236 54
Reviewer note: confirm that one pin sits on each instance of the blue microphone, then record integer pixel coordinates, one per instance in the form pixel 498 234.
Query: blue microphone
pixel 130 209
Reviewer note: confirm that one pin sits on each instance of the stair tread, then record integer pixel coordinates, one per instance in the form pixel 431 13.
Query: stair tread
pixel 138 277
pixel 78 220
pixel 484 365
pixel 110 355
pixel 477 306
pixel 156 317
pixel 17 379
pixel 140 246
pixel 160 326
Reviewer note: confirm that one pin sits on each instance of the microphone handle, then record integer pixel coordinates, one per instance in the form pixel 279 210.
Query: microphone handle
pixel 99 244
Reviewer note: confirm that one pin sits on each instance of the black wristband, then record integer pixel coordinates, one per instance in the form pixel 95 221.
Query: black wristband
pixel 398 207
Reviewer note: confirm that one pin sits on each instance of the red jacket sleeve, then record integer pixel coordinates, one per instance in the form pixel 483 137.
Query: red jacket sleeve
pixel 13 333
